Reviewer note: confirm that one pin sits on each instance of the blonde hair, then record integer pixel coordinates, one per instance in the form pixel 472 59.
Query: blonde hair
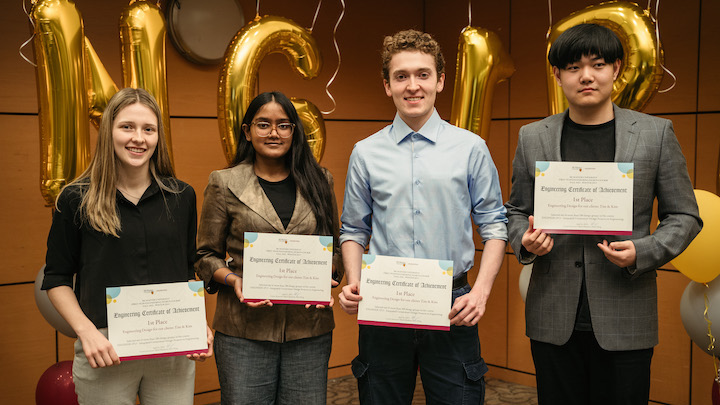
pixel 97 183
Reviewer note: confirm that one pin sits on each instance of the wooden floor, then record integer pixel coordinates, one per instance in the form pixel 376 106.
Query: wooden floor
pixel 343 391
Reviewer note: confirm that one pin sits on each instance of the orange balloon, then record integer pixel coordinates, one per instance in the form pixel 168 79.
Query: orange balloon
pixel 695 261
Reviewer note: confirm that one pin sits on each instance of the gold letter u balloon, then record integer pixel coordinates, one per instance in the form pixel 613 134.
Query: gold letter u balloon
pixel 641 70
pixel 73 85
pixel 238 77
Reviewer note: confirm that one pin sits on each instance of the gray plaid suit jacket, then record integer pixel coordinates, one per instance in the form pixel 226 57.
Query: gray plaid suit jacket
pixel 623 301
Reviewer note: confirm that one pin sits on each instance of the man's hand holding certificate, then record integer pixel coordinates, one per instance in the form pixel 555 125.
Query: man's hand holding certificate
pixel 590 198
pixel 405 292
pixel 287 269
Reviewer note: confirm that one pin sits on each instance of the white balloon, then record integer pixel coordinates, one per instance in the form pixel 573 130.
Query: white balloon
pixel 524 280
pixel 47 309
pixel 692 309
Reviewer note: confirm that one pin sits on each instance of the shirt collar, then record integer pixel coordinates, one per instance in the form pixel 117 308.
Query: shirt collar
pixel 400 130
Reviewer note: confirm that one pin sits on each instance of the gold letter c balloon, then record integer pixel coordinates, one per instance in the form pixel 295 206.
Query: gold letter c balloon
pixel 238 76
pixel 641 70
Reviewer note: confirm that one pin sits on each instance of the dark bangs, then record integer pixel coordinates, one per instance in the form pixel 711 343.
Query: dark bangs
pixel 585 40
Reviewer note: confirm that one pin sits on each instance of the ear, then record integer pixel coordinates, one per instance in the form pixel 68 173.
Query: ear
pixel 616 69
pixel 441 83
pixel 556 74
pixel 386 84
pixel 246 131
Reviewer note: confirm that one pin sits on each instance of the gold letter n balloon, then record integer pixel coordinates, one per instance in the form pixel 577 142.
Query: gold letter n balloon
pixel 641 70
pixel 238 77
pixel 73 85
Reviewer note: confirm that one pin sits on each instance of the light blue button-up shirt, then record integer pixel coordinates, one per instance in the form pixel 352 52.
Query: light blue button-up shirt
pixel 416 192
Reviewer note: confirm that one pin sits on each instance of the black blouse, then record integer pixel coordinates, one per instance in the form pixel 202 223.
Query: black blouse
pixel 156 245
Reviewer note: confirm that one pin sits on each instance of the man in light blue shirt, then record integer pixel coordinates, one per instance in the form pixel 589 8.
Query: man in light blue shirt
pixel 414 187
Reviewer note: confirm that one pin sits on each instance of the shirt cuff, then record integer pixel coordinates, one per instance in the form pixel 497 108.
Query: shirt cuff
pixel 496 230
pixel 359 238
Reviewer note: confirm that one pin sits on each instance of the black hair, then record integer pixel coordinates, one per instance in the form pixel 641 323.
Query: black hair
pixel 585 40
pixel 304 169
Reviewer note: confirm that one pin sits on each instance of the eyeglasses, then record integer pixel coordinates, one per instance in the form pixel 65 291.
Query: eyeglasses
pixel 283 129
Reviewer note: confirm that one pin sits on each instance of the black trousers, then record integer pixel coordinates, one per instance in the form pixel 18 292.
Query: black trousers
pixel 581 372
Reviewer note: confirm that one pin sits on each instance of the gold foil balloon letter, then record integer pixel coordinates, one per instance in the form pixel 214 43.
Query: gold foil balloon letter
pixel 74 86
pixel 142 40
pixel 238 77
pixel 63 107
pixel 641 70
pixel 481 64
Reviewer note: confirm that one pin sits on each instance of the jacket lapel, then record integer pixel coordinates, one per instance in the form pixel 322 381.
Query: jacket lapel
pixel 550 140
pixel 302 210
pixel 626 136
pixel 245 186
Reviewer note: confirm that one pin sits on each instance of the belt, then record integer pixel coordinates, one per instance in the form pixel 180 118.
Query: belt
pixel 460 281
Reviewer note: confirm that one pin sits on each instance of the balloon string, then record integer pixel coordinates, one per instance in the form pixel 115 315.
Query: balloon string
pixel 257 8
pixel 317 11
pixel 469 13
pixel 711 346
pixel 657 36
pixel 337 50
pixel 24 44
pixel 550 16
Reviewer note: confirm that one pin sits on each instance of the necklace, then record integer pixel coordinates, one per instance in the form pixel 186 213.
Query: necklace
pixel 128 194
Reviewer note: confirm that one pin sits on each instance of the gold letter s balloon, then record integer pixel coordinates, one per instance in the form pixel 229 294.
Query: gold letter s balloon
pixel 641 70
pixel 73 85
pixel 696 262
pixel 63 106
pixel 238 77
pixel 481 64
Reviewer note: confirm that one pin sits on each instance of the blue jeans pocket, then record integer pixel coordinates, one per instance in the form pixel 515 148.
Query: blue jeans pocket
pixel 474 389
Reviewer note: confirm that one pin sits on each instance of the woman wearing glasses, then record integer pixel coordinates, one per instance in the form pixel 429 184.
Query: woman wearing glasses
pixel 265 353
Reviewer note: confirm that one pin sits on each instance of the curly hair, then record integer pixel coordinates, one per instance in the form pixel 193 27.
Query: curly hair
pixel 411 40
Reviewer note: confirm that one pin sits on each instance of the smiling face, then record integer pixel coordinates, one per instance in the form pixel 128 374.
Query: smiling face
pixel 135 136
pixel 271 147
pixel 588 84
pixel 413 85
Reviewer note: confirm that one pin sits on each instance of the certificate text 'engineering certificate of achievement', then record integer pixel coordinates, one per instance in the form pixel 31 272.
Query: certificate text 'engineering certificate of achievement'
pixel 405 292
pixel 586 198
pixel 286 268
pixel 157 320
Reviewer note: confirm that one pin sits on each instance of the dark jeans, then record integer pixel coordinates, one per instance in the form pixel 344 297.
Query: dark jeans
pixel 256 372
pixel 581 372
pixel 450 364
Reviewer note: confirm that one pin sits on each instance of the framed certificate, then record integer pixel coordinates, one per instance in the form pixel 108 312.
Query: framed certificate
pixel 157 320
pixel 287 269
pixel 405 292
pixel 586 198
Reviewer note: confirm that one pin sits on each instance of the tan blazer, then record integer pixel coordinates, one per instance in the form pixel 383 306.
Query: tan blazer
pixel 623 301
pixel 234 203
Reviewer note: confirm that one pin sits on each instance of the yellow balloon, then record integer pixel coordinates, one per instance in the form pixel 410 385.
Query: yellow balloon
pixel 696 262
pixel 73 85
pixel 238 75
pixel 481 64
pixel 314 125
pixel 142 39
pixel 64 135
pixel 102 86
pixel 641 70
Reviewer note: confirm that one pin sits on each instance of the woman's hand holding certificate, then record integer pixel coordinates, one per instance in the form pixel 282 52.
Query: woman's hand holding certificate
pixel 287 269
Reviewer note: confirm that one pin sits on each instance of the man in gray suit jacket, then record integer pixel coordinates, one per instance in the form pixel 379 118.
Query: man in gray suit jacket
pixel 591 307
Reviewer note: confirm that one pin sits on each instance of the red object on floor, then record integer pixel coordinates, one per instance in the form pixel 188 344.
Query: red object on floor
pixel 56 386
